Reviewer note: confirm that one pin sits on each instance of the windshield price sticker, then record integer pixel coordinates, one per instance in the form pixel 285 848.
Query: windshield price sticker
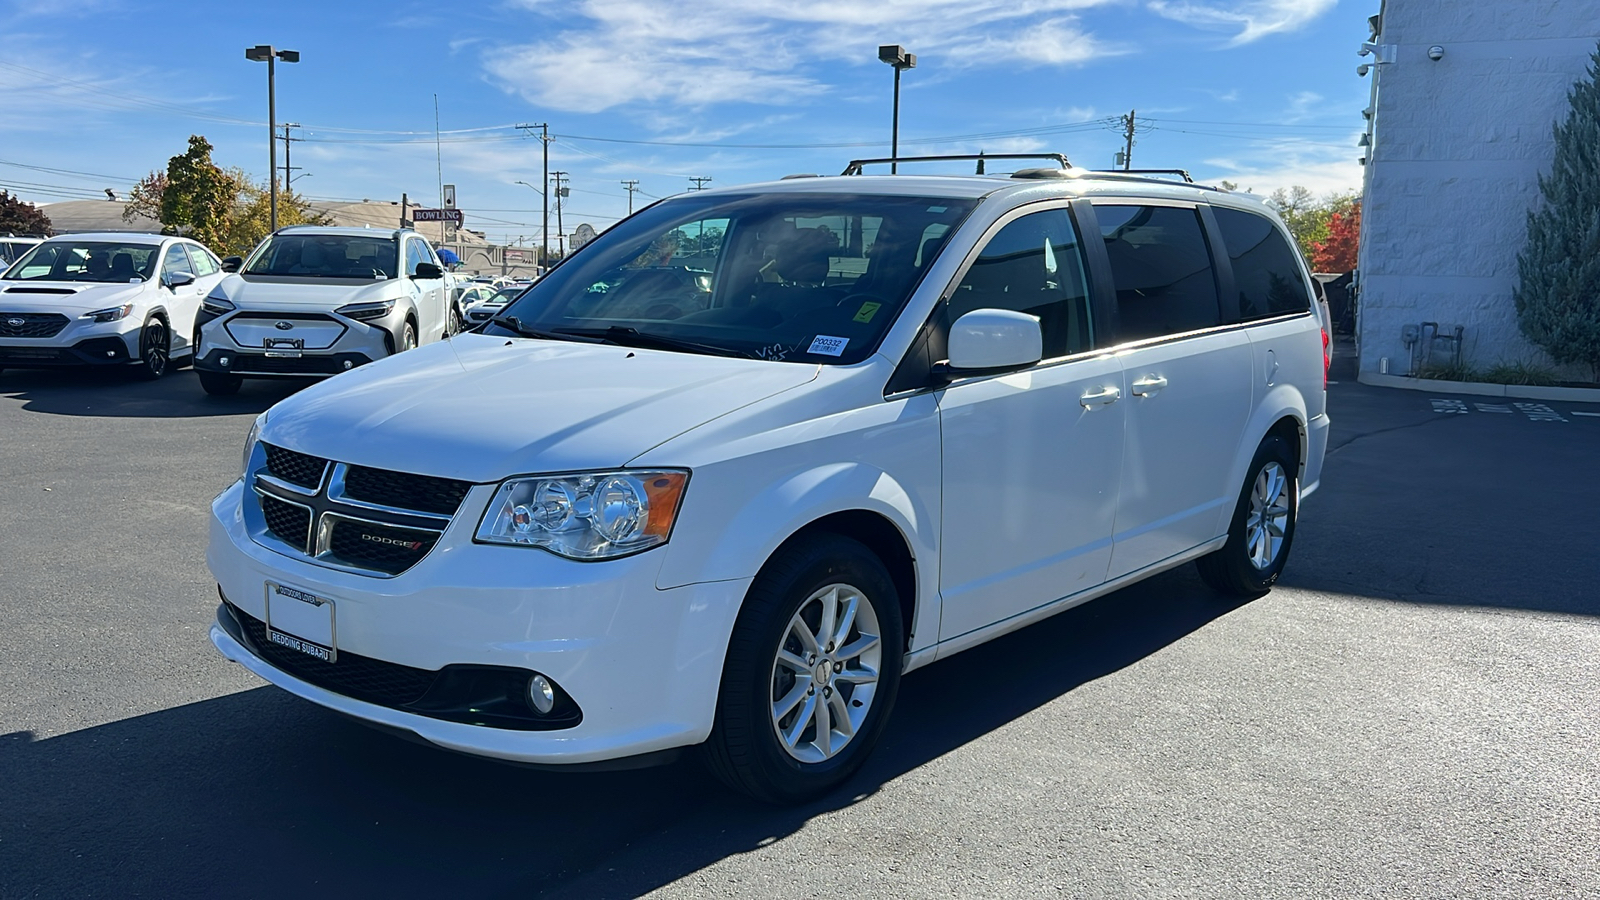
pixel 828 345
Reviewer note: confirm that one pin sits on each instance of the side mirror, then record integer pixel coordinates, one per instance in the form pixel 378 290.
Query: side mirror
pixel 232 263
pixel 990 342
pixel 428 270
pixel 175 280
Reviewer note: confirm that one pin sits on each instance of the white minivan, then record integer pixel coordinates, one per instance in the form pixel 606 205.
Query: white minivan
pixel 725 474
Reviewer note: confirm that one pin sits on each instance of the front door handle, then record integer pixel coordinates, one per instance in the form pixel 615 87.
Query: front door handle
pixel 1103 397
pixel 1149 385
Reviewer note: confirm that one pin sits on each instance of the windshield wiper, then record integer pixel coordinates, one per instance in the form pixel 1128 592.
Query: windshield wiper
pixel 632 337
pixel 515 324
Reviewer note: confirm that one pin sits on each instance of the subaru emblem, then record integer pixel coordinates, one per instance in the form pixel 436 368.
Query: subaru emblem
pixel 16 323
pixel 285 326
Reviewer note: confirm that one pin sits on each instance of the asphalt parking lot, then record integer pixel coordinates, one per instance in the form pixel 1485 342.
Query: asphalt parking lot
pixel 1412 713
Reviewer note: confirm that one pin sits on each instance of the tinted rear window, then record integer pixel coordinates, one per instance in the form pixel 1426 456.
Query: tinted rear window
pixel 1265 268
pixel 1161 268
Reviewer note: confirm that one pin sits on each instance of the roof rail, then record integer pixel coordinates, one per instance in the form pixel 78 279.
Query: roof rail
pixel 856 164
pixel 1181 173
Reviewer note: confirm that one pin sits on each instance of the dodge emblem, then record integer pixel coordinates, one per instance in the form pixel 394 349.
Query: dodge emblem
pixel 284 326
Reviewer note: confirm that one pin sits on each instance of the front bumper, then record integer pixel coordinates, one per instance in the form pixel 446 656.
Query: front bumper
pixel 106 350
pixel 356 343
pixel 644 665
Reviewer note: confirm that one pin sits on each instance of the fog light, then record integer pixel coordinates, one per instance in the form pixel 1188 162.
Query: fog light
pixel 347 364
pixel 542 694
pixel 223 361
pixel 111 353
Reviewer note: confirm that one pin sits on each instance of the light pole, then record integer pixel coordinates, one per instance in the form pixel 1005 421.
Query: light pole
pixel 896 55
pixel 544 255
pixel 270 55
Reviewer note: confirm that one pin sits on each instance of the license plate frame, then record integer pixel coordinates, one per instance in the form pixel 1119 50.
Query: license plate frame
pixel 283 348
pixel 299 625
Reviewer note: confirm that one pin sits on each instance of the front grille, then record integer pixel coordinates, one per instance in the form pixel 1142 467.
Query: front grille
pixel 424 493
pixel 355 676
pixel 22 354
pixel 288 365
pixel 295 468
pixel 291 523
pixel 34 325
pixel 383 548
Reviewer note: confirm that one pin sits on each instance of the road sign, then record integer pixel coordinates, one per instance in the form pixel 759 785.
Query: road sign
pixel 436 215
pixel 583 234
pixel 449 196
pixel 517 256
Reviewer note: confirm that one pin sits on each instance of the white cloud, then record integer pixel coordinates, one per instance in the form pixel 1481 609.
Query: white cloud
pixel 643 53
pixel 1250 20
pixel 1287 163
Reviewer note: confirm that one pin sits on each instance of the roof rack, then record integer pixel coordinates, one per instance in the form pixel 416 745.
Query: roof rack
pixel 856 164
pixel 1181 173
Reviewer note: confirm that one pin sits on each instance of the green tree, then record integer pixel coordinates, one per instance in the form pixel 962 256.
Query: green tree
pixel 17 216
pixel 1307 216
pixel 1558 297
pixel 200 199
pixel 253 215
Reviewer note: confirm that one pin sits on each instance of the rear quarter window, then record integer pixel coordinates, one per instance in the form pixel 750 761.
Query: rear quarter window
pixel 1266 271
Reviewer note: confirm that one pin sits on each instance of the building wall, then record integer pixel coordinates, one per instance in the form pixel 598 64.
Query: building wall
pixel 1457 149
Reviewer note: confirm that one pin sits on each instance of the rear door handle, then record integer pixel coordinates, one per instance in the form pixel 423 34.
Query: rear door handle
pixel 1149 385
pixel 1103 397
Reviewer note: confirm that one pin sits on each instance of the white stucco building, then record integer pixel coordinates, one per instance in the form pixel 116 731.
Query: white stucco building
pixel 1458 143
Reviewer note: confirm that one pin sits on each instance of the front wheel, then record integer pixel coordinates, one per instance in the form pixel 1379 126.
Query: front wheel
pixel 812 671
pixel 408 338
pixel 1262 528
pixel 155 351
pixel 455 323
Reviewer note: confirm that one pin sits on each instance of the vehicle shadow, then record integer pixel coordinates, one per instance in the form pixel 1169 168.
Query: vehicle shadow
pixel 260 794
pixel 115 393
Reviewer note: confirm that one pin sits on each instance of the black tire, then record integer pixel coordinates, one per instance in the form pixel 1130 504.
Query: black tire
pixel 408 338
pixel 456 324
pixel 155 350
pixel 744 749
pixel 1232 570
pixel 220 384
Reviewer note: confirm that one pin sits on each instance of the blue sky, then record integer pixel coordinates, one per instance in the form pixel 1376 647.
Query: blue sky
pixel 1260 92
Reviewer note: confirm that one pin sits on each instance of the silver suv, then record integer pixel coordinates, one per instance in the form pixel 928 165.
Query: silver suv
pixel 314 301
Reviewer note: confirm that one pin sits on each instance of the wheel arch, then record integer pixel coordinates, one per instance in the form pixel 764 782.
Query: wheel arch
pixel 884 538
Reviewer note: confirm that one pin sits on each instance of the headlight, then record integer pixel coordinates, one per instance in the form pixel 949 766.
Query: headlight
pixel 110 315
pixel 364 311
pixel 596 515
pixel 216 306
pixel 250 444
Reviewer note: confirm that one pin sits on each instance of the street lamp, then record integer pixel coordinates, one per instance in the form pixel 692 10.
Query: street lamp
pixel 268 54
pixel 896 55
pixel 545 231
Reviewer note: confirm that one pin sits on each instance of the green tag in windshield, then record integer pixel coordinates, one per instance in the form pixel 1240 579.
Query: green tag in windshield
pixel 867 311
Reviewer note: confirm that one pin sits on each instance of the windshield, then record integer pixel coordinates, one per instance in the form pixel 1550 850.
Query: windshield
pixel 106 262
pixel 506 294
pixel 796 277
pixel 325 256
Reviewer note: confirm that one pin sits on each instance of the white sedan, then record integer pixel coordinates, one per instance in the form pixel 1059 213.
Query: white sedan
pixel 105 300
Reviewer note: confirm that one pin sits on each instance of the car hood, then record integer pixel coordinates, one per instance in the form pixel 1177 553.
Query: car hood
pixel 70 298
pixel 481 408
pixel 305 293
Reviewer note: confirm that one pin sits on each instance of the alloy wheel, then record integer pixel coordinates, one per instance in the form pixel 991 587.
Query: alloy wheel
pixel 154 351
pixel 825 673
pixel 1268 519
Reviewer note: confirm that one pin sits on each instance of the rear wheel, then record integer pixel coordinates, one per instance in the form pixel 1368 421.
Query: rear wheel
pixel 1262 529
pixel 155 350
pixel 219 384
pixel 812 671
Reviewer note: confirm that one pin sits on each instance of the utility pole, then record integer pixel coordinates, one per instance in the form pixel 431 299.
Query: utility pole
pixel 561 191
pixel 699 182
pixel 544 141
pixel 288 169
pixel 632 185
pixel 1128 126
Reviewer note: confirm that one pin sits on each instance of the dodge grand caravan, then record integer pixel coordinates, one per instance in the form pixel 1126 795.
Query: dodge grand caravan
pixel 722 477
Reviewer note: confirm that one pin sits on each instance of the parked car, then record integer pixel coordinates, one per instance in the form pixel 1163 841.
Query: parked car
pixel 12 248
pixel 489 306
pixel 314 301
pixel 875 421
pixel 105 300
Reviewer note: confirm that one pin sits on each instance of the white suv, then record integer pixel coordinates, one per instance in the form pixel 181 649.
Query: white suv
pixel 724 475
pixel 316 301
